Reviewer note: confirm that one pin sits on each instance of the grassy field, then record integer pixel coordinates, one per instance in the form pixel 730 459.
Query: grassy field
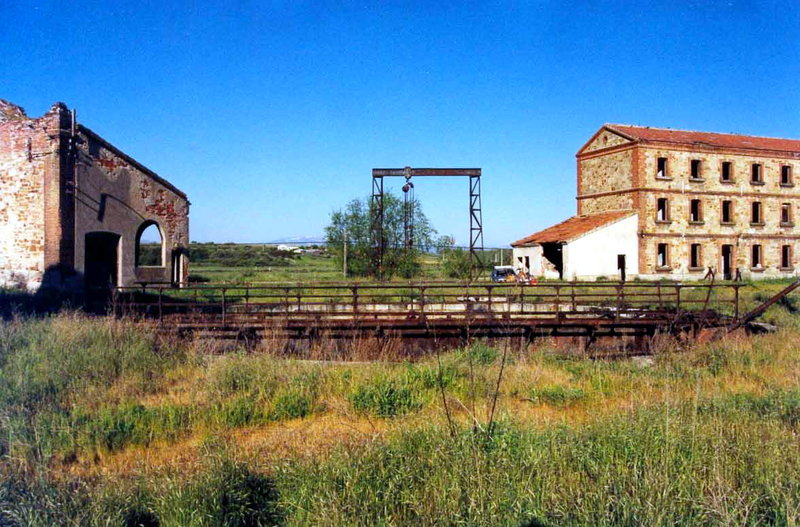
pixel 103 423
pixel 299 268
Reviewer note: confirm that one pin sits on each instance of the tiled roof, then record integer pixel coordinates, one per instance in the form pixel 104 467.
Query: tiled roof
pixel 573 228
pixel 685 137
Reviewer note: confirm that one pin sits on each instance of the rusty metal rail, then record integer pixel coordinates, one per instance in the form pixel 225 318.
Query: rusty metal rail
pixel 443 309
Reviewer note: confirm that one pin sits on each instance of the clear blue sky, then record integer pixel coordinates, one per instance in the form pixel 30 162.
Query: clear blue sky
pixel 271 114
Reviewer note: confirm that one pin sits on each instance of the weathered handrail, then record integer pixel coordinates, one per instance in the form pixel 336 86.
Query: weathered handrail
pixel 359 300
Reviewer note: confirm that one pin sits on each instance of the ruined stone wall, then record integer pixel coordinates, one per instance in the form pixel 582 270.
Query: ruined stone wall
pixel 680 189
pixel 28 153
pixel 119 195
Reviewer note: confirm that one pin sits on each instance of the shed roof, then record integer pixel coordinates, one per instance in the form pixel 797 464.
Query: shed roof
pixel 688 137
pixel 573 228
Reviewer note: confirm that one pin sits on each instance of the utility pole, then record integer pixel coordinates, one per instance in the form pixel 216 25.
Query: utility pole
pixel 344 266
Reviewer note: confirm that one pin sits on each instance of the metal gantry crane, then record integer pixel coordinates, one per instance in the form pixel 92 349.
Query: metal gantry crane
pixel 377 210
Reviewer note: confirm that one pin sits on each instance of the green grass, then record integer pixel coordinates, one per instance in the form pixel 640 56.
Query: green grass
pixel 104 423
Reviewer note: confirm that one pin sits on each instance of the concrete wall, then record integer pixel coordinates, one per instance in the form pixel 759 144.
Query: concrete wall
pixel 595 254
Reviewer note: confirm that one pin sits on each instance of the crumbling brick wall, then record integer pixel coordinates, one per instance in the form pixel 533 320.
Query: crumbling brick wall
pixel 120 195
pixel 56 187
pixel 28 158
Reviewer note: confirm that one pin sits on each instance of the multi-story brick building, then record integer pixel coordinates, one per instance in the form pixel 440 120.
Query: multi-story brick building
pixel 670 203
pixel 73 208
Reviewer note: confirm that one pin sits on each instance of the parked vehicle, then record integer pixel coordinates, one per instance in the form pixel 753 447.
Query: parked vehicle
pixel 503 273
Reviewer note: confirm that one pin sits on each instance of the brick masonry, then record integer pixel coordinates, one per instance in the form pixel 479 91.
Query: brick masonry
pixel 56 188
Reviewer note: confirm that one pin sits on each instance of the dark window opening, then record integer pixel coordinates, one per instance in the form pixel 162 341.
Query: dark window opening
pixel 786 175
pixel 755 217
pixel 662 209
pixel 696 172
pixel 695 256
pixel 661 171
pixel 695 211
pixel 756 175
pixel 149 246
pixel 755 257
pixel 727 212
pixel 786 257
pixel 662 255
pixel 727 171
pixel 786 214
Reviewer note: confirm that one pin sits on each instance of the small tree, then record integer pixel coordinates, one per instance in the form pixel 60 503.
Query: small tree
pixel 456 263
pixel 353 224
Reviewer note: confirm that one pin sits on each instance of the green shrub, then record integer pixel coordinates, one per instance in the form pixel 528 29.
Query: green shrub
pixel 226 493
pixel 238 411
pixel 427 377
pixel 480 354
pixel 291 404
pixel 233 374
pixel 384 398
pixel 557 395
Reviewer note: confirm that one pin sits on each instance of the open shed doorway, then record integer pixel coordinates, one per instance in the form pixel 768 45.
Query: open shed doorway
pixel 553 258
pixel 100 267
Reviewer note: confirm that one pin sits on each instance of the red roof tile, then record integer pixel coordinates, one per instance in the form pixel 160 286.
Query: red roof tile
pixel 685 137
pixel 573 228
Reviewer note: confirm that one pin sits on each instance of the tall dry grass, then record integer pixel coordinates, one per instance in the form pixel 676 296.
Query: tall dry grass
pixel 701 436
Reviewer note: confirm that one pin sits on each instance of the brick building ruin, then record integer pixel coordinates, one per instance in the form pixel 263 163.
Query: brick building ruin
pixel 73 208
pixel 656 202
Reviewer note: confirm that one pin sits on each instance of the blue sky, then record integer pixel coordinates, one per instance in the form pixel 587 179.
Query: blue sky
pixel 270 115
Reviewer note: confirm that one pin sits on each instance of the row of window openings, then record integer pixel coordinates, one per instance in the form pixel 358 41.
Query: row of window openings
pixel 726 172
pixel 696 256
pixel 726 212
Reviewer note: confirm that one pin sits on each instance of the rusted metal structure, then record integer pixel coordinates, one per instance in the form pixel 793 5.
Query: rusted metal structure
pixel 438 309
pixel 377 209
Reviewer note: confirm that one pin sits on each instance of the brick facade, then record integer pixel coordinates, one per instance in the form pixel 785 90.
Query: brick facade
pixel 627 175
pixel 57 189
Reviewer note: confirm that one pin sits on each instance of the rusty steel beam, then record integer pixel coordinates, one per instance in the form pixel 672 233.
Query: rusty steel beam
pixel 425 172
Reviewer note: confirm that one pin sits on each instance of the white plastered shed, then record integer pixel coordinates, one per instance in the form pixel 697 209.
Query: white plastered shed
pixel 582 248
